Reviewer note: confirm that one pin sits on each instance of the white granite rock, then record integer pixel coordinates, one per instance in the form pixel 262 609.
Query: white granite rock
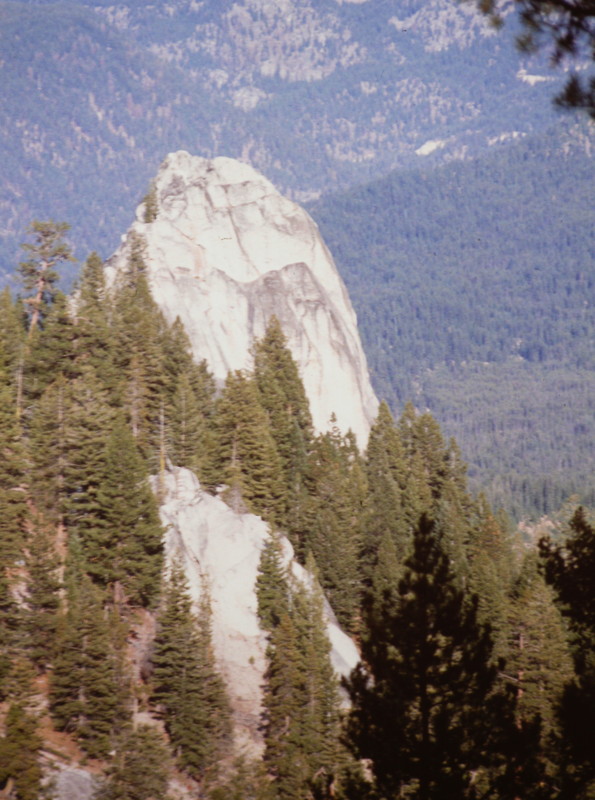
pixel 225 253
pixel 221 549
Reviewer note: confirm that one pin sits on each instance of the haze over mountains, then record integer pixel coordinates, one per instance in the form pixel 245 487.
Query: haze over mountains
pixel 316 96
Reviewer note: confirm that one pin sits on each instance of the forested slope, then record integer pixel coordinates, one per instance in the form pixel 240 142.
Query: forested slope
pixel 475 291
pixel 105 664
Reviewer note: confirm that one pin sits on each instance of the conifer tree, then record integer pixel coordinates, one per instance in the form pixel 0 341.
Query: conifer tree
pixel 246 455
pixel 538 659
pixel 301 719
pixel 139 770
pixel 123 544
pixel 87 696
pixel 20 770
pixel 425 710
pixel 283 397
pixel 384 514
pixel 43 601
pixel 13 507
pixel 186 685
pixel 337 487
pixel 140 330
pixel 570 571
pixel 39 274
pixel 95 342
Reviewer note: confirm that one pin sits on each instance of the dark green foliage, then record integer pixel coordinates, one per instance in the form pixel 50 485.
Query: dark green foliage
pixel 39 274
pixel 88 691
pixel 283 397
pixel 13 507
pixel 20 769
pixel 425 710
pixel 43 602
pixel 186 684
pixel 272 589
pixel 569 569
pixel 246 456
pixel 123 543
pixel 95 342
pixel 139 770
pixel 337 489
pixel 140 332
pixel 538 658
pixel 301 719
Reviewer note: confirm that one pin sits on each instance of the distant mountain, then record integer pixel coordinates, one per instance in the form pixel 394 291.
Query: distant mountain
pixel 316 95
pixel 475 293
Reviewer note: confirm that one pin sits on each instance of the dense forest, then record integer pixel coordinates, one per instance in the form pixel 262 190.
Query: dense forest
pixel 477 672
pixel 475 297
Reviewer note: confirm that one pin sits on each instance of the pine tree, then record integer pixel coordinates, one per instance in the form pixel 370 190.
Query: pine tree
pixel 186 685
pixel 301 719
pixel 43 601
pixel 47 251
pixel 139 770
pixel 384 514
pixel 570 571
pixel 140 330
pixel 13 507
pixel 87 696
pixel 272 589
pixel 337 488
pixel 95 342
pixel 20 770
pixel 246 455
pixel 123 542
pixel 425 710
pixel 538 660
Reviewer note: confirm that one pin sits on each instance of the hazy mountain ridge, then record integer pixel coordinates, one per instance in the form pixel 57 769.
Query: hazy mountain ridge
pixel 316 97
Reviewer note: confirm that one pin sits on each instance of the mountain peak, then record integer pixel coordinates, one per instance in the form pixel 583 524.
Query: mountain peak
pixel 225 252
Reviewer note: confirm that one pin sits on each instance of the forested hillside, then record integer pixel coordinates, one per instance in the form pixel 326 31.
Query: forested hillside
pixel 476 679
pixel 475 295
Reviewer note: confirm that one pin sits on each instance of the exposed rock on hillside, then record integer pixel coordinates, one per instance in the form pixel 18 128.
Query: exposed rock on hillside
pixel 221 550
pixel 225 253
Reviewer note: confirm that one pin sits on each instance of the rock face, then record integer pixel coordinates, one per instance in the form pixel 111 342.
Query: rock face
pixel 225 253
pixel 221 549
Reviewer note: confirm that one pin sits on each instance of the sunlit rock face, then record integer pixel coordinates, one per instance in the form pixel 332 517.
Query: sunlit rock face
pixel 226 252
pixel 220 551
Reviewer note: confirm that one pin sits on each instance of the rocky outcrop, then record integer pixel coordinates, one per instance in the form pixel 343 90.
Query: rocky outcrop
pixel 220 550
pixel 226 252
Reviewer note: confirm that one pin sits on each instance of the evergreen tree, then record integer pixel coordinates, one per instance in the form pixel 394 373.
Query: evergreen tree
pixel 337 488
pixel 123 541
pixel 246 455
pixel 20 770
pixel 538 659
pixel 13 507
pixel 301 720
pixel 425 709
pixel 140 329
pixel 283 397
pixel 272 589
pixel 87 696
pixel 95 343
pixel 43 601
pixel 186 684
pixel 39 274
pixel 384 514
pixel 139 770
pixel 570 571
